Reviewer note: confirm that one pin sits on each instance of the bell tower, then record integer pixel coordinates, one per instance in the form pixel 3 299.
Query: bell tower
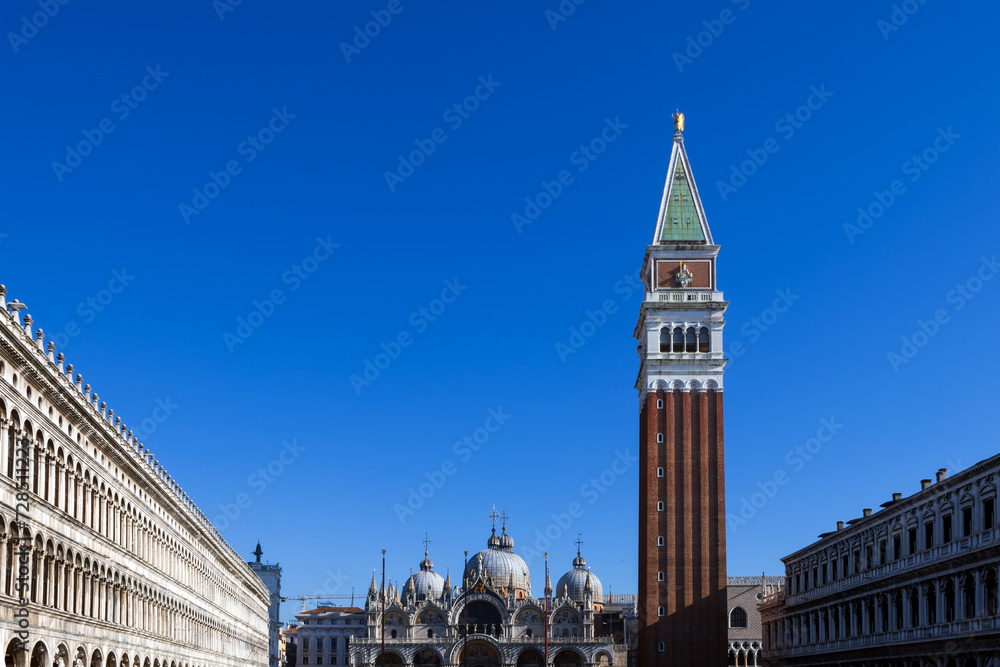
pixel 682 538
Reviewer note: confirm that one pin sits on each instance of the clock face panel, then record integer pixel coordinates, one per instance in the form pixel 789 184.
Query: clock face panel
pixel 694 274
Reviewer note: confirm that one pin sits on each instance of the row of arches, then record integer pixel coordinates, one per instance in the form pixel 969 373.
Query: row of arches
pixel 43 653
pixel 481 653
pixel 677 340
pixel 64 483
pixel 72 581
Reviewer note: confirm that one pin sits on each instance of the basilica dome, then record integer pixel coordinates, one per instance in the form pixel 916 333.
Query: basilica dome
pixel 425 584
pixel 575 582
pixel 499 566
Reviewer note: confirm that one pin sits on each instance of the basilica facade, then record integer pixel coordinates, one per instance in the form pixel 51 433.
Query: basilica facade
pixel 104 560
pixel 492 619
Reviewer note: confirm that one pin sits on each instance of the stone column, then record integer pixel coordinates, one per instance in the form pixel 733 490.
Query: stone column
pixel 30 460
pixel 959 607
pixel 4 539
pixel 5 445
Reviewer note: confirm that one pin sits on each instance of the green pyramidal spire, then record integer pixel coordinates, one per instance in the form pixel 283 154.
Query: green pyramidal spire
pixel 682 217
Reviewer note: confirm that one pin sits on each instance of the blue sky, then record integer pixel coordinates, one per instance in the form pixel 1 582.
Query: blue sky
pixel 279 139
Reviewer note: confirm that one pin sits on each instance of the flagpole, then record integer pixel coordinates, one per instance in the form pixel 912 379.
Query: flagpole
pixel 465 606
pixel 381 659
pixel 548 591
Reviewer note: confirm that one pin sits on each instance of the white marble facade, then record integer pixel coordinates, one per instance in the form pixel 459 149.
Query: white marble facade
pixel 104 560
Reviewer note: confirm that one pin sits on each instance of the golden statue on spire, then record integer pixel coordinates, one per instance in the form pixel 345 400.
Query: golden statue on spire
pixel 678 121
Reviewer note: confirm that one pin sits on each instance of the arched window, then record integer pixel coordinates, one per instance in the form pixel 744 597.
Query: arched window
pixel 660 611
pixel 659 506
pixel 659 575
pixel 393 634
pixel 678 340
pixel 692 343
pixel 738 618
pixel 430 634
pixel 661 647
pixel 703 340
pixel 659 437
pixel 659 541
pixel 659 404
pixel 659 472
pixel 664 340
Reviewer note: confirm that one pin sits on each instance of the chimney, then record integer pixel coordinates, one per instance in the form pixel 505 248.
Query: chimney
pixel 866 512
pixel 840 525
pixel 942 474
pixel 925 484
pixel 897 496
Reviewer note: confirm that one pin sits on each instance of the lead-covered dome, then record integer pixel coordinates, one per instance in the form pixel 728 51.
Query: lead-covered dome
pixel 425 584
pixel 576 582
pixel 500 566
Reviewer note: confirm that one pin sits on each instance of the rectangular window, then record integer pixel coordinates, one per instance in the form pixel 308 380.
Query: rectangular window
pixel 882 559
pixel 868 557
pixel 988 518
pixel 946 528
pixel 333 643
pixel 815 578
pixel 319 660
pixel 897 546
pixel 319 645
pixel 305 643
pixel 857 562
pixel 824 573
pixel 305 660
pixel 913 541
pixel 966 521
pixel 928 535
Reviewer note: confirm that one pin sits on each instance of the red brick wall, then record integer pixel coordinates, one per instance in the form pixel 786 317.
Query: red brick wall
pixel 693 558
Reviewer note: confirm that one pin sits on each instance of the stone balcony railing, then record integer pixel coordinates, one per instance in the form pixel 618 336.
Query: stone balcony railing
pixel 684 297
pixel 905 636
